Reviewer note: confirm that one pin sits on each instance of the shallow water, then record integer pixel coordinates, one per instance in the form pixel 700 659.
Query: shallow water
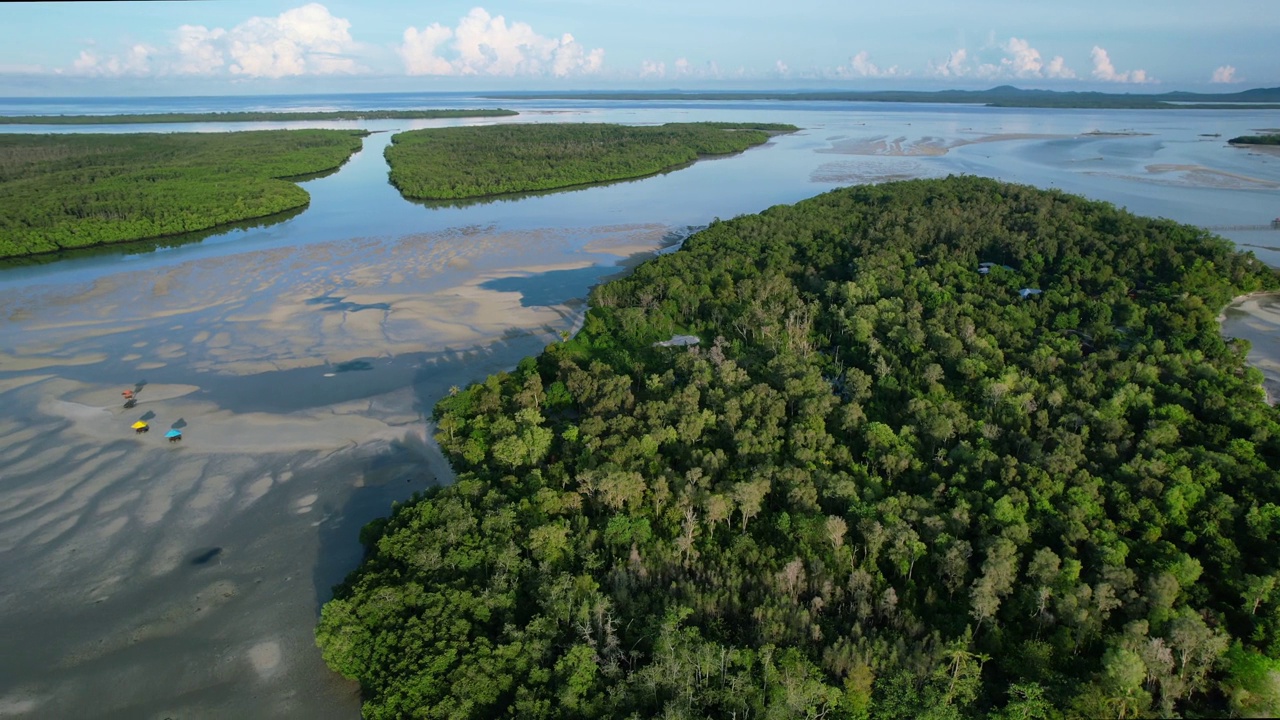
pixel 301 359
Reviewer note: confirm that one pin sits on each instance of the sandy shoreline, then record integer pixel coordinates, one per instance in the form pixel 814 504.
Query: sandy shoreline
pixel 1256 317
pixel 302 380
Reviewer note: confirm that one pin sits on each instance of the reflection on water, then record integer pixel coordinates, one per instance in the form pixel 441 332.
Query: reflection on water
pixel 302 357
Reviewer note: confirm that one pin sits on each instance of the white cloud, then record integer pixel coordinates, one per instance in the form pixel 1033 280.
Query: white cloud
pixel 782 68
pixel 1225 74
pixel 649 68
pixel 1025 60
pixel 306 40
pixel 1020 60
pixel 860 65
pixel 419 50
pixel 683 67
pixel 954 66
pixel 199 50
pixel 302 41
pixel 1057 68
pixel 483 44
pixel 1105 70
pixel 134 61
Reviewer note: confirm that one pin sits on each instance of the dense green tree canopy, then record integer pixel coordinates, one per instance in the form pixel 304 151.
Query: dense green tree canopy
pixel 1270 139
pixel 80 190
pixel 467 162
pixel 884 485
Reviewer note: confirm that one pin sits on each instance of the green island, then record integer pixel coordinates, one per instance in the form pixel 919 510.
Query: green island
pixel 470 162
pixel 66 191
pixel 1002 96
pixel 884 484
pixel 231 117
pixel 1269 139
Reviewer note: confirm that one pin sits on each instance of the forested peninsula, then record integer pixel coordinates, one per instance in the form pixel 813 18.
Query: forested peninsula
pixel 470 162
pixel 79 190
pixel 232 117
pixel 1269 139
pixel 885 484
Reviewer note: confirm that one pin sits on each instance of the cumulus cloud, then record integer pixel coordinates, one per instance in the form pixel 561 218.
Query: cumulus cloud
pixel 1018 60
pixel 781 68
pixel 1057 68
pixel 1225 74
pixel 483 44
pixel 302 41
pixel 1105 70
pixel 134 61
pixel 1024 61
pixel 683 67
pixel 199 50
pixel 652 69
pixel 306 40
pixel 953 66
pixel 860 65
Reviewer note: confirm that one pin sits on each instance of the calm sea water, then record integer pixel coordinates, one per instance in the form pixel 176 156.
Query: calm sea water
pixel 302 358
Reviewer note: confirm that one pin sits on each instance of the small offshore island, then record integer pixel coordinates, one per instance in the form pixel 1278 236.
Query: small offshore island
pixel 471 162
pixel 885 484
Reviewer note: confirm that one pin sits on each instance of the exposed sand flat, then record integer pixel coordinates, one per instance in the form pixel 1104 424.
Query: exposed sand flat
pixel 1202 176
pixel 1256 318
pixel 15 363
pixel 927 146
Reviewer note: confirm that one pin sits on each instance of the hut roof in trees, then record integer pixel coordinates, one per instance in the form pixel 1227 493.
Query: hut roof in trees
pixel 678 341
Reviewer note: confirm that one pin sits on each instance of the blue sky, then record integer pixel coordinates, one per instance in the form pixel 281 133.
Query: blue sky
pixel 234 46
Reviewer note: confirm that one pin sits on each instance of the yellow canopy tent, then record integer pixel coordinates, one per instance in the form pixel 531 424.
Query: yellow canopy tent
pixel 139 425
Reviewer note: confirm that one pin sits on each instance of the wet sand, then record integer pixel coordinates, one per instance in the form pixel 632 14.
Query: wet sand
pixel 145 578
pixel 928 146
pixel 1256 318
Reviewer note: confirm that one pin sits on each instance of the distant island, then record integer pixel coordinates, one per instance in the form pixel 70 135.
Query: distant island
pixel 932 449
pixel 232 117
pixel 1002 96
pixel 1269 139
pixel 73 190
pixel 471 162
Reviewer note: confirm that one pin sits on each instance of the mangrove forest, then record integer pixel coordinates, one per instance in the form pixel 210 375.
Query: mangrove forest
pixel 941 449
pixel 232 117
pixel 468 162
pixel 64 191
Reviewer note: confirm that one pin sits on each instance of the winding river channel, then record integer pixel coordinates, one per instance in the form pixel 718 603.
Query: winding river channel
pixel 143 579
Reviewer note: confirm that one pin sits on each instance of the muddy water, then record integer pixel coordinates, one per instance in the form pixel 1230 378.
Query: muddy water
pixel 143 578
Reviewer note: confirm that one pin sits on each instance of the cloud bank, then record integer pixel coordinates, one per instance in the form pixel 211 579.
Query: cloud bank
pixel 860 65
pixel 1105 70
pixel 306 40
pixel 1018 60
pixel 483 44
pixel 1226 74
